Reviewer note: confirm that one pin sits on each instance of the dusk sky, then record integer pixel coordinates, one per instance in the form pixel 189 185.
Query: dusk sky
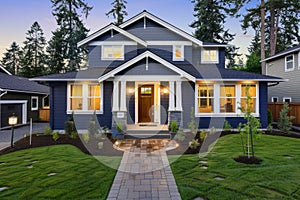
pixel 17 16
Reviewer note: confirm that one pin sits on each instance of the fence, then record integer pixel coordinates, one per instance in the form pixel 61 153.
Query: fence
pixel 44 115
pixel 275 109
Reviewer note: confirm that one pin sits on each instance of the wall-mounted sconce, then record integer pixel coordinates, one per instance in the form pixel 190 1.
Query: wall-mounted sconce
pixel 165 91
pixel 130 90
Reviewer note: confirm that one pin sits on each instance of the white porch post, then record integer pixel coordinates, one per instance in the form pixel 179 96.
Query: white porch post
pixel 178 96
pixel 171 96
pixel 116 96
pixel 123 96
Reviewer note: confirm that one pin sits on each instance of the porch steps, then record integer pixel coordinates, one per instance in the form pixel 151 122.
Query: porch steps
pixel 138 134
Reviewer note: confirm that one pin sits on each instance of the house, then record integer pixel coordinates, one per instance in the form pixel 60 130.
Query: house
pixel 285 64
pixel 147 72
pixel 22 97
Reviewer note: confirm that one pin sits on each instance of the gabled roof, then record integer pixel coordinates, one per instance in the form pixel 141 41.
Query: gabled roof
pixel 2 69
pixel 111 27
pixel 142 56
pixel 285 52
pixel 20 84
pixel 163 23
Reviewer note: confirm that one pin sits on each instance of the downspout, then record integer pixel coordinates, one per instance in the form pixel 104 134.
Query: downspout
pixel 274 84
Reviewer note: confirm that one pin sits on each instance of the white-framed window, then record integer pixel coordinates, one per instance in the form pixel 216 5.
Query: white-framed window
pixel 224 99
pixel 205 96
pixel 34 103
pixel 287 99
pixel 85 98
pixel 299 60
pixel 210 55
pixel 112 52
pixel 46 102
pixel 289 63
pixel 178 52
pixel 274 99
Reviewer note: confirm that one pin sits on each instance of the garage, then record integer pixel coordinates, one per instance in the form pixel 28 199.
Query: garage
pixel 8 107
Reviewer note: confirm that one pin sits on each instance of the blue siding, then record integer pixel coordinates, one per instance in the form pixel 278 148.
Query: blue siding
pixel 153 31
pixel 130 104
pixel 95 56
pixel 263 104
pixel 188 101
pixel 196 57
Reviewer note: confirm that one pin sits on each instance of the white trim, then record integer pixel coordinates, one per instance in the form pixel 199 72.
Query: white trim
pixel 115 106
pixel 12 101
pixel 181 51
pixel 285 63
pixel 64 79
pixel 281 54
pixel 99 43
pixel 223 115
pixel 267 80
pixel 163 23
pixel 286 98
pixel 43 102
pixel 152 78
pixel 215 45
pixel 123 97
pixel 210 61
pixel 112 46
pixel 27 92
pixel 5 70
pixel 178 96
pixel 37 103
pixel 272 99
pixel 299 60
pixel 24 107
pixel 140 57
pixel 171 96
pixel 169 43
pixel 110 27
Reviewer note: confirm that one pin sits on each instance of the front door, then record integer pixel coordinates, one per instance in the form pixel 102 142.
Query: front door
pixel 146 102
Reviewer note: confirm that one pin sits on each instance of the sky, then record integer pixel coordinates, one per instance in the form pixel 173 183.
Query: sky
pixel 17 16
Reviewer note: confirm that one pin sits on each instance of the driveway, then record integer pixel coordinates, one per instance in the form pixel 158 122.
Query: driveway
pixel 5 135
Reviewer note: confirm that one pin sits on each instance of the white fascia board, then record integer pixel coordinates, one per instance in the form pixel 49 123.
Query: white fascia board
pixel 140 57
pixel 281 54
pixel 266 80
pixel 163 23
pixel 1 89
pixel 217 45
pixel 68 79
pixel 7 72
pixel 12 101
pixel 107 28
pixel 27 92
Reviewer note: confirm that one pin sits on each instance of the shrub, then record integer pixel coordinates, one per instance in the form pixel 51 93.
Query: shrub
pixel 194 144
pixel 284 123
pixel 212 130
pixel 180 136
pixel 70 125
pixel 270 117
pixel 74 135
pixel 47 130
pixel 55 136
pixel 203 135
pixel 227 126
pixel 174 126
pixel 100 145
pixel 119 126
pixel 86 137
pixel 192 125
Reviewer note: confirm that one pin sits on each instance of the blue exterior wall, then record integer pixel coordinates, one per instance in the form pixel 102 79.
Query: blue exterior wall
pixel 130 103
pixel 164 103
pixel 196 57
pixel 107 37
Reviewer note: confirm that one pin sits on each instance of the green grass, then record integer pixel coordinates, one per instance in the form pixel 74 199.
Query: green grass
pixel 79 176
pixel 277 177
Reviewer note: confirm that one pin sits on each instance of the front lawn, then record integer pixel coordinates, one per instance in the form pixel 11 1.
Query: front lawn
pixel 277 177
pixel 54 172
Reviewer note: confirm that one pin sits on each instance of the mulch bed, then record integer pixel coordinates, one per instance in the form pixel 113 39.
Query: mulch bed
pixel 90 147
pixel 246 160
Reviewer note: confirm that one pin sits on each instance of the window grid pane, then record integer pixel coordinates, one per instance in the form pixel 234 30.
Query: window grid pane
pixel 251 105
pixel 227 98
pixel 205 98
pixel 251 90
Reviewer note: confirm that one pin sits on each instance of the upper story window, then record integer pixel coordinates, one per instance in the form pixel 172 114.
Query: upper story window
pixel 210 55
pixel 289 63
pixel 178 53
pixel 112 52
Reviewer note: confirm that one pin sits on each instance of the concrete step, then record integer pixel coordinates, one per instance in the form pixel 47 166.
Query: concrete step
pixel 134 134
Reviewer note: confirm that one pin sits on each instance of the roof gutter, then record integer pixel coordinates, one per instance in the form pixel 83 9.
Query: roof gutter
pixel 4 93
pixel 274 84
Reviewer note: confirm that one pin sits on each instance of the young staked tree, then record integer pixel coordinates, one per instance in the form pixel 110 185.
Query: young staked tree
pixel 33 58
pixel 118 11
pixel 71 30
pixel 11 59
pixel 210 17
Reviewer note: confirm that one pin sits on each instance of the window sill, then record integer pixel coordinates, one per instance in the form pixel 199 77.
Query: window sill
pixel 210 62
pixel 83 112
pixel 34 109
pixel 222 115
pixel 289 70
pixel 178 59
pixel 111 59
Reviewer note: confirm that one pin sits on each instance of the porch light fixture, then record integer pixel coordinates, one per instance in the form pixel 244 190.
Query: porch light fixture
pixel 130 90
pixel 12 121
pixel 165 91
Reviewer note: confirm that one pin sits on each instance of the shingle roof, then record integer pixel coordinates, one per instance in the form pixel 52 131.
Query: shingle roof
pixel 285 52
pixel 16 83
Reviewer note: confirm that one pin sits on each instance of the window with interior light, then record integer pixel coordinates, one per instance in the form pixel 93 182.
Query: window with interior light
pixel 227 99
pixel 210 55
pixel 205 98
pixel 178 52
pixel 248 90
pixel 112 52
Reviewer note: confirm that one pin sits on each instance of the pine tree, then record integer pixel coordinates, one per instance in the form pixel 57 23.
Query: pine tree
pixel 209 23
pixel 71 30
pixel 118 11
pixel 33 57
pixel 11 59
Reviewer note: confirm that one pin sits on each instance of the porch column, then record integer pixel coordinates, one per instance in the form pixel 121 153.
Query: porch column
pixel 116 96
pixel 123 96
pixel 171 96
pixel 178 96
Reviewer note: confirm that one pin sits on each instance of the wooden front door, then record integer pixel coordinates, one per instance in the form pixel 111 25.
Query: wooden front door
pixel 146 102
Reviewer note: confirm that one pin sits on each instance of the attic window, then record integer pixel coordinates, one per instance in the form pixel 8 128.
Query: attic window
pixel 178 53
pixel 112 52
pixel 210 55
pixel 289 63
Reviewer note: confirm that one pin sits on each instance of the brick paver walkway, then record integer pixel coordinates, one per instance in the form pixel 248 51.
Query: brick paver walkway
pixel 144 174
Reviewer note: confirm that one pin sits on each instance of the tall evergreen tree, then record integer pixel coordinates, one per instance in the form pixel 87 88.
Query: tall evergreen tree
pixel 11 59
pixel 33 57
pixel 209 23
pixel 71 30
pixel 118 11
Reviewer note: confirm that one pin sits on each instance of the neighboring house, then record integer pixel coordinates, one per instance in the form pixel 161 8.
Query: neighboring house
pixel 20 96
pixel 147 72
pixel 286 65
